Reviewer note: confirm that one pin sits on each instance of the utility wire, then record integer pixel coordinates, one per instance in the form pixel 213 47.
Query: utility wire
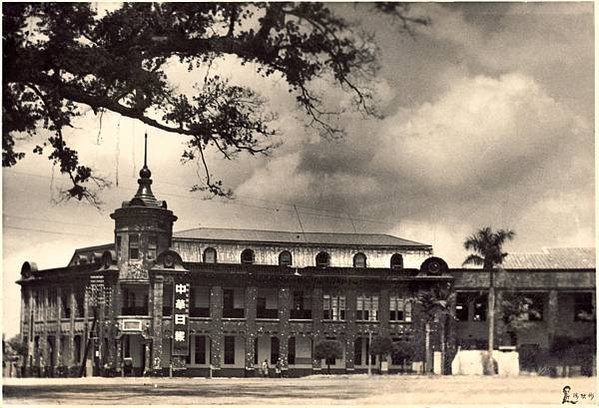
pixel 293 207
pixel 46 231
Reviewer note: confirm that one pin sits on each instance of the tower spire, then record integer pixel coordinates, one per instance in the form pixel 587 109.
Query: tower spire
pixel 146 149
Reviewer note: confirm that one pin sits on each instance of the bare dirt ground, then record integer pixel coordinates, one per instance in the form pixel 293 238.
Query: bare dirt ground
pixel 315 390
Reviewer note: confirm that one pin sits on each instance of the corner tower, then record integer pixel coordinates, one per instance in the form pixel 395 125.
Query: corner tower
pixel 143 228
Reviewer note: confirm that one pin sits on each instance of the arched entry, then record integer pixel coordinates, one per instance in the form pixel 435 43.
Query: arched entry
pixel 134 354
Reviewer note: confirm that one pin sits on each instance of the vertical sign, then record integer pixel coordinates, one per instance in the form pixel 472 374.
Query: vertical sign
pixel 180 318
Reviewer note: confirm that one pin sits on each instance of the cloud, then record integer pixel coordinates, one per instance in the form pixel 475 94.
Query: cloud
pixel 487 151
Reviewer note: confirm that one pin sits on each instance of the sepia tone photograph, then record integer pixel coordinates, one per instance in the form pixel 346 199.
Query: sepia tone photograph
pixel 310 203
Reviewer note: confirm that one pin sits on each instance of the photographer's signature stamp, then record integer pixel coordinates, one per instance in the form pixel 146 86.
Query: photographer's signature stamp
pixel 576 397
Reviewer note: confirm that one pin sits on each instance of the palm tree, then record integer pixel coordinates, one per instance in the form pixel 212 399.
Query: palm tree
pixel 435 304
pixel 488 252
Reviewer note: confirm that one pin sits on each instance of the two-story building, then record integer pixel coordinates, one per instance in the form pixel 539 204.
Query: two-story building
pixel 220 302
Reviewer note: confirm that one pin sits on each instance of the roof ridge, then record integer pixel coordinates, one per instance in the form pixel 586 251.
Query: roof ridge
pixel 288 231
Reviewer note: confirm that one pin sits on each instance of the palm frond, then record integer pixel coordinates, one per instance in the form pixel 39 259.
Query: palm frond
pixel 473 259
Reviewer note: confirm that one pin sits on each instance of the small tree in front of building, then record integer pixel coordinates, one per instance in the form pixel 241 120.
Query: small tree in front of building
pixel 382 347
pixel 517 312
pixel 403 351
pixel 328 350
pixel 435 306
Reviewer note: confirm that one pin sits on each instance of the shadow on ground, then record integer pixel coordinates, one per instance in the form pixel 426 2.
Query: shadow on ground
pixel 111 394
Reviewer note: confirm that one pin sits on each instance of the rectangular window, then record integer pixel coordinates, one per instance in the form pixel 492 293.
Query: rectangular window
pixel 118 246
pixel 291 351
pixel 199 301
pixel 80 303
pixel 535 308
pixel 400 310
pixel 274 350
pixel 367 308
pixel 261 305
pixel 135 300
pixel 200 350
pixel 66 309
pixel 228 298
pixel 298 300
pixel 167 300
pixel 152 246
pixel 256 351
pixel 583 307
pixel 233 303
pixel 480 309
pixel 333 307
pixel 133 246
pixel 301 306
pixel 53 310
pixel 229 349
pixel 358 351
pixel 462 307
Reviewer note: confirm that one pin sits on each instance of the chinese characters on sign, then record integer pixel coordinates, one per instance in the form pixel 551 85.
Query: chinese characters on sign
pixel 181 318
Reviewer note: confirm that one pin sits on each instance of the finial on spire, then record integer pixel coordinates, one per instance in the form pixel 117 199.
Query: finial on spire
pixel 145 173
pixel 146 149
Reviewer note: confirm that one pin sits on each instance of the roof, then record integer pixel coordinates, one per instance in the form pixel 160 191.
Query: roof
pixel 552 258
pixel 320 238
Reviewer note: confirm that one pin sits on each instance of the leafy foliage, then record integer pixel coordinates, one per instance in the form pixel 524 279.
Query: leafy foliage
pixel 516 311
pixel 381 346
pixel 328 350
pixel 60 56
pixel 487 247
pixel 403 350
pixel 12 348
pixel 435 302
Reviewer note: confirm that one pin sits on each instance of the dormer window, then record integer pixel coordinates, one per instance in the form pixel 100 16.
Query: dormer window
pixel 133 246
pixel 285 258
pixel 247 257
pixel 210 255
pixel 359 260
pixel 397 261
pixel 323 259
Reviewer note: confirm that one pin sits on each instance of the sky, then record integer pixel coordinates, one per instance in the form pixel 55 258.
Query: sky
pixel 489 120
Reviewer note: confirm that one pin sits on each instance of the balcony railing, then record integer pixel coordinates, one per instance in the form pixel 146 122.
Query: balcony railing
pixel 134 311
pixel 234 313
pixel 267 314
pixel 300 314
pixel 201 312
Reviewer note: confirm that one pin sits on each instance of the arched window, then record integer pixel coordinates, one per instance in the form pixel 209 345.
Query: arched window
pixel 359 260
pixel 247 257
pixel 322 259
pixel 210 255
pixel 397 261
pixel 285 258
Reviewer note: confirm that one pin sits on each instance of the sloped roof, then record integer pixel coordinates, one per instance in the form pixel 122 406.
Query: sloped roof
pixel 552 258
pixel 320 238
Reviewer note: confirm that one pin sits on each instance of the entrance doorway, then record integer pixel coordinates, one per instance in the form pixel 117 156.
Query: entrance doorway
pixel 134 355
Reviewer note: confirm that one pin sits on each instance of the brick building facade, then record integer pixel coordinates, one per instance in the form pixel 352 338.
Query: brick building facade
pixel 220 301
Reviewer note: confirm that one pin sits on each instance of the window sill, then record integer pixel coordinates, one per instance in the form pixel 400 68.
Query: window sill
pixel 368 321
